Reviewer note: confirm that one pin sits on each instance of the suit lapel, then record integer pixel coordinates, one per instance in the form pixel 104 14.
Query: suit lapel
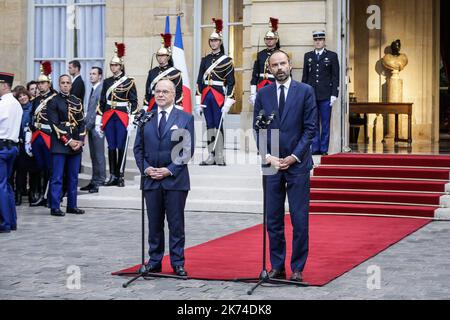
pixel 170 122
pixel 289 99
pixel 274 104
pixel 324 54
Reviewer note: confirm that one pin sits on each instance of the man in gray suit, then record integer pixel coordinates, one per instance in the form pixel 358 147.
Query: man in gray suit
pixel 96 141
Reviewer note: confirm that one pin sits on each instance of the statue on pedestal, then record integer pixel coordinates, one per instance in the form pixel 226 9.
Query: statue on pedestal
pixel 395 62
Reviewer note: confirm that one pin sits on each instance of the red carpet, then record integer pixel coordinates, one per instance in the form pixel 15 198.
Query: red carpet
pixel 393 160
pixel 337 245
pixel 380 184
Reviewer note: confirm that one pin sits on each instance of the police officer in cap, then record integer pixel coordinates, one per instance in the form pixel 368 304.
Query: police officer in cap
pixel 215 92
pixel 66 117
pixel 10 122
pixel 321 71
pixel 115 114
pixel 262 76
pixel 165 71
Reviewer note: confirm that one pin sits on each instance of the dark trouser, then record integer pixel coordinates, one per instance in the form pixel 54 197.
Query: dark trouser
pixel 322 139
pixel 116 136
pixel 56 183
pixel 162 203
pixel 97 152
pixel 8 216
pixel 297 187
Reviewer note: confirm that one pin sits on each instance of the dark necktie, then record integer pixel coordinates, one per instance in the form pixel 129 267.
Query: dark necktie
pixel 162 123
pixel 92 92
pixel 282 101
pixel 317 56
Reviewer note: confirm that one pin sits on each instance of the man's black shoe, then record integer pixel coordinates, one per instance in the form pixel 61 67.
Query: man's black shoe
pixel 75 211
pixel 14 228
pixel 153 268
pixel 277 274
pixel 5 231
pixel 179 270
pixel 57 213
pixel 317 153
pixel 88 187
pixel 41 202
pixel 324 153
pixel 94 189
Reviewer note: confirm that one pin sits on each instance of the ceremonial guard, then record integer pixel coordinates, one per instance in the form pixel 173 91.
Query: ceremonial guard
pixel 38 136
pixel 10 121
pixel 215 92
pixel 321 71
pixel 115 114
pixel 261 76
pixel 165 71
pixel 66 117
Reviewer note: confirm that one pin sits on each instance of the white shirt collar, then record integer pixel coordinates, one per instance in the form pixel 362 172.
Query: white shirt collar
pixel 287 84
pixel 74 78
pixel 319 51
pixel 96 85
pixel 167 110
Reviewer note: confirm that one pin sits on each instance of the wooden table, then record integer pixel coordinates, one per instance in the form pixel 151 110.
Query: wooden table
pixel 385 108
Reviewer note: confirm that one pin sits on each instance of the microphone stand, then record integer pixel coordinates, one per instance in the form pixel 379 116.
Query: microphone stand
pixel 262 123
pixel 141 120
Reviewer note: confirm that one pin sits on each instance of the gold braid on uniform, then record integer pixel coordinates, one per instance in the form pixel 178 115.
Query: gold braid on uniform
pixel 76 114
pixel 122 90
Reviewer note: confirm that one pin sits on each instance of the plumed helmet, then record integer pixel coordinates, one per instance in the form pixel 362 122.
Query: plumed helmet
pixel 217 34
pixel 166 45
pixel 119 53
pixel 46 72
pixel 273 31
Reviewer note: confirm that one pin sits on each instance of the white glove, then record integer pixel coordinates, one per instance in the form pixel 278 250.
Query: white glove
pixel 227 105
pixel 131 126
pixel 332 100
pixel 252 97
pixel 198 108
pixel 98 126
pixel 28 149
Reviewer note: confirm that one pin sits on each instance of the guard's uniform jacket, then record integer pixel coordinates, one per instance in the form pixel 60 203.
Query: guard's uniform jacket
pixel 322 75
pixel 66 116
pixel 121 100
pixel 262 76
pixel 39 124
pixel 163 73
pixel 220 80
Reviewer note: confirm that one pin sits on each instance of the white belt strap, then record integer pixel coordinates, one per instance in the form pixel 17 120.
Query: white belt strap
pixel 117 104
pixel 214 83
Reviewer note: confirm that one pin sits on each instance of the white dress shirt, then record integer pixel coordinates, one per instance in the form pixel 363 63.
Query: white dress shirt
pixel 286 85
pixel 167 110
pixel 10 118
pixel 319 51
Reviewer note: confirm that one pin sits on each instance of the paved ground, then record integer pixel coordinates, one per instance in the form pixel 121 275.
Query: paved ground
pixel 35 260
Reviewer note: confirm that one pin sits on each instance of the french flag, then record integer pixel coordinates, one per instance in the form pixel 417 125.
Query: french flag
pixel 179 61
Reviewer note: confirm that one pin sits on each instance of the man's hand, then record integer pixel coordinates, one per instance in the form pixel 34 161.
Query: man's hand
pixel 157 173
pixel 274 162
pixel 28 149
pixel 75 145
pixel 333 99
pixel 287 162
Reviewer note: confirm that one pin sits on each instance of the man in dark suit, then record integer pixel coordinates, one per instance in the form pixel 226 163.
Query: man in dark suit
pixel 294 106
pixel 78 88
pixel 163 156
pixel 96 139
pixel 66 118
pixel 321 71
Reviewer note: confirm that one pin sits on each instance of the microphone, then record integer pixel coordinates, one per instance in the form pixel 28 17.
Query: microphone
pixel 260 120
pixel 138 117
pixel 271 118
pixel 148 116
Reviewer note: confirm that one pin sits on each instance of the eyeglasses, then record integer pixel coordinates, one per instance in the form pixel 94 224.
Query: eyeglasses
pixel 163 92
